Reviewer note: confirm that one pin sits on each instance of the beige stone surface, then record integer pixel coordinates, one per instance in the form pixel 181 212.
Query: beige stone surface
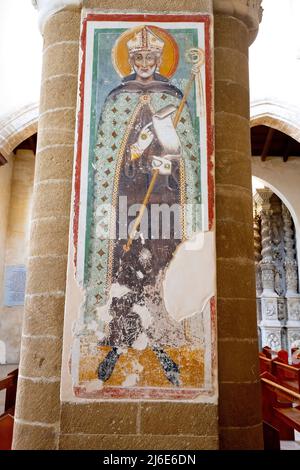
pixel 20 206
pixel 37 401
pixel 237 341
pixel 242 412
pixel 233 165
pixel 242 438
pixel 196 419
pixel 235 240
pixel 49 237
pixel 232 132
pixel 34 437
pixel 15 237
pixel 63 26
pixel 47 269
pixel 56 94
pixel 44 315
pixel 62 117
pixel 99 418
pixel 56 161
pixel 5 190
pixel 232 33
pixel 156 5
pixel 235 278
pixel 228 94
pixel 54 58
pixel 54 136
pixel 231 65
pixel 158 442
pixel 52 199
pixel 233 203
pixel 41 357
pixel 46 274
pixel 241 310
pixel 239 361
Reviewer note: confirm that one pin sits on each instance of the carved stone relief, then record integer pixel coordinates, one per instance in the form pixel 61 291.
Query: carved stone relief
pixel 277 282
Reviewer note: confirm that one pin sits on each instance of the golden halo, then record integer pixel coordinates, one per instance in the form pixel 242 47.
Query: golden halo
pixel 170 54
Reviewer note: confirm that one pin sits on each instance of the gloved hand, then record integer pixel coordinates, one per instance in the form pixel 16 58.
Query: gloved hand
pixel 162 164
pixel 144 140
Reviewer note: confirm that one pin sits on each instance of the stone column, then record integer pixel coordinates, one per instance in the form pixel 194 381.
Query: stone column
pixel 38 403
pixel 236 24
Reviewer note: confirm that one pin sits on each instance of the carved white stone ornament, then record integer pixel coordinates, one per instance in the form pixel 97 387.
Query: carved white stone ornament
pixel 47 8
pixel 248 11
pixel 291 265
pixel 266 264
pixel 277 247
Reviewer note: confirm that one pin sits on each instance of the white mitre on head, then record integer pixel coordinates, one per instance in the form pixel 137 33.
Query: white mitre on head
pixel 145 40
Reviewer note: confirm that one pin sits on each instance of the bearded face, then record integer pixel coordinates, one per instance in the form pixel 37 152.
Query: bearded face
pixel 144 63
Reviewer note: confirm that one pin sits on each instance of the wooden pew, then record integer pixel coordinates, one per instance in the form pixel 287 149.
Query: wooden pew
pixel 265 364
pixel 283 356
pixel 287 375
pixel 6 431
pixel 271 437
pixel 290 416
pixel 9 383
pixel 281 407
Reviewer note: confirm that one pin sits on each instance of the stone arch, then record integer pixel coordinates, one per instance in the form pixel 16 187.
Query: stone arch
pixel 285 118
pixel 281 196
pixel 17 127
pixel 2 352
pixel 280 116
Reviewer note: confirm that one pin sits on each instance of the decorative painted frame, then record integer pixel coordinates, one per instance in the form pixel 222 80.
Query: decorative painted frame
pixel 72 386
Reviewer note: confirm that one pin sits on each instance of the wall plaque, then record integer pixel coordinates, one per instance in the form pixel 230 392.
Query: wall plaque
pixel 14 285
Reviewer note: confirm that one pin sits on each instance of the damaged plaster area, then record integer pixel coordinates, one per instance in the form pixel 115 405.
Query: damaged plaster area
pixel 158 335
pixel 188 286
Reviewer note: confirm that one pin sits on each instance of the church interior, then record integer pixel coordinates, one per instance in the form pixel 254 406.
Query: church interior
pixel 250 391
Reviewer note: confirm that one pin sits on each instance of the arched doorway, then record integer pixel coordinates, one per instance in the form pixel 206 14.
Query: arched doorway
pixel 276 208
pixel 16 188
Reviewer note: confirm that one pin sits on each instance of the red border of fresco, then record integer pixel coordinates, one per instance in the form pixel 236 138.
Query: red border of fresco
pixel 206 19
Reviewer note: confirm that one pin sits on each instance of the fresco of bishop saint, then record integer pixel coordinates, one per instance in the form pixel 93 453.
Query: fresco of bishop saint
pixel 141 133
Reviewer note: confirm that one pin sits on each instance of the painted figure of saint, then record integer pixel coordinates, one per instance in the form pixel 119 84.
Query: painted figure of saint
pixel 141 133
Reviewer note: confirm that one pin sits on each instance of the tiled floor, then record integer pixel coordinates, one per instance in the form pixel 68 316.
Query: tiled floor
pixel 291 445
pixel 4 370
